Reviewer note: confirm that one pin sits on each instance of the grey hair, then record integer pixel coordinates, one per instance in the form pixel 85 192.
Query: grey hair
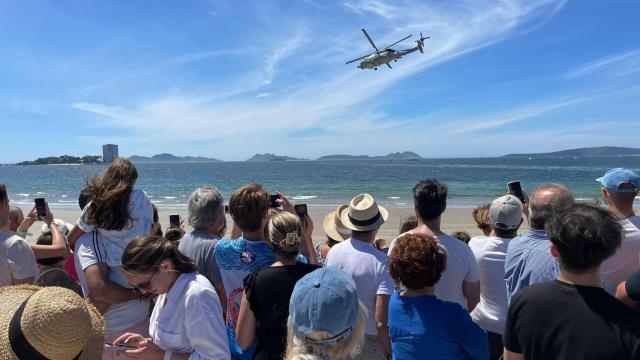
pixel 542 210
pixel 298 349
pixel 206 206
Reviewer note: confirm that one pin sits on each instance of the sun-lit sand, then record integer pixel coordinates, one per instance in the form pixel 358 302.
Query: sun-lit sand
pixel 454 219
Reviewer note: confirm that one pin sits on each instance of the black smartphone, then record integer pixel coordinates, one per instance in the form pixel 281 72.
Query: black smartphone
pixel 274 203
pixel 515 189
pixel 41 207
pixel 226 208
pixel 174 221
pixel 301 210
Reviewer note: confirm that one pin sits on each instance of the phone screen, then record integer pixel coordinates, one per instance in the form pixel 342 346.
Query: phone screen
pixel 515 189
pixel 274 203
pixel 41 208
pixel 174 221
pixel 301 210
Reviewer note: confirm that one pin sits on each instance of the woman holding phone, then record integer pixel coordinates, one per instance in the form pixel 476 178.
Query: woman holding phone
pixel 265 303
pixel 186 322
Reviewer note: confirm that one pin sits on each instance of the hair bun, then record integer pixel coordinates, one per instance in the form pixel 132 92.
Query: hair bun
pixel 291 240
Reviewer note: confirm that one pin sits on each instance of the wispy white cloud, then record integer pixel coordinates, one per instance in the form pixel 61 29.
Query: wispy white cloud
pixel 264 94
pixel 616 64
pixel 375 7
pixel 502 118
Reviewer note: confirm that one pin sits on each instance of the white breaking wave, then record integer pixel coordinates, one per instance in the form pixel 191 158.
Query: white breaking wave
pixel 304 197
pixel 394 197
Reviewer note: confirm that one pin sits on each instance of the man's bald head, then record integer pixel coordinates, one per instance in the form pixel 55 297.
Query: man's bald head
pixel 546 201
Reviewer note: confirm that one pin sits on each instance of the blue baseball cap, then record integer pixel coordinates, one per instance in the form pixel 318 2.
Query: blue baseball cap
pixel 620 180
pixel 324 300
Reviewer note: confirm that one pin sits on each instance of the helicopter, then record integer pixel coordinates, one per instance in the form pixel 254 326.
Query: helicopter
pixel 386 55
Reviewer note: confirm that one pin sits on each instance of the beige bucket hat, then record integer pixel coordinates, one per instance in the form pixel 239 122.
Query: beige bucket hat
pixel 363 214
pixel 333 226
pixel 48 323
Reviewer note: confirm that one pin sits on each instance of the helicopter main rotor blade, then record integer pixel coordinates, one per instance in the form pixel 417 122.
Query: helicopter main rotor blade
pixel 401 40
pixel 369 38
pixel 360 58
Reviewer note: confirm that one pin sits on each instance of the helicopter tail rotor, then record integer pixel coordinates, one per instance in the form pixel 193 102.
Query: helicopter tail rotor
pixel 420 42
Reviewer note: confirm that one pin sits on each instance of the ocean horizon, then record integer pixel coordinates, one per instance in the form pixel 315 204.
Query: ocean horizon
pixel 327 184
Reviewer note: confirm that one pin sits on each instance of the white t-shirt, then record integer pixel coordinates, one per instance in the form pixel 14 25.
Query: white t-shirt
pixel 188 320
pixel 115 241
pixel 461 266
pixel 490 253
pixel 369 268
pixel 626 260
pixel 89 250
pixel 17 260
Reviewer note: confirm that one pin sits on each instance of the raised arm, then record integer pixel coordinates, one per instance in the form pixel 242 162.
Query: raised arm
pixel 58 247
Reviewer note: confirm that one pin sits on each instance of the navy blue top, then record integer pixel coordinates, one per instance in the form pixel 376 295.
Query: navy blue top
pixel 427 327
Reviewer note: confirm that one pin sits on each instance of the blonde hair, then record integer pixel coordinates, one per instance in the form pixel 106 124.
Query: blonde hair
pixel 284 232
pixel 298 349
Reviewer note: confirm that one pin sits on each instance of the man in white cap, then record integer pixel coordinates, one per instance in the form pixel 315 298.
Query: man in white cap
pixel 619 189
pixel 505 215
pixel 369 269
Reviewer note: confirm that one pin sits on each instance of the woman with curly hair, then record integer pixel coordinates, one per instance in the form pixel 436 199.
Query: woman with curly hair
pixel 265 303
pixel 420 323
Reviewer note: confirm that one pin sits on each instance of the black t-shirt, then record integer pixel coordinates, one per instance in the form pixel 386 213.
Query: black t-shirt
pixel 268 292
pixel 632 285
pixel 557 320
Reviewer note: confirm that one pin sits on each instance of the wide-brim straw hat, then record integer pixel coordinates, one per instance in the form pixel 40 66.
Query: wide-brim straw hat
pixel 363 214
pixel 52 323
pixel 333 226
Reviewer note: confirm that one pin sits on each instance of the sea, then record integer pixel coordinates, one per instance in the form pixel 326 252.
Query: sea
pixel 471 181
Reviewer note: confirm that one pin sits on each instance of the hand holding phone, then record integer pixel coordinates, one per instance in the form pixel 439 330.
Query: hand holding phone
pixel 274 200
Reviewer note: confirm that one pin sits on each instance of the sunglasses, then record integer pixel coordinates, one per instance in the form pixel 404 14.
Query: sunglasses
pixel 144 285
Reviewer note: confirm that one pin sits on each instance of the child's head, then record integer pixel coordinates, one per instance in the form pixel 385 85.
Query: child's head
pixel 248 206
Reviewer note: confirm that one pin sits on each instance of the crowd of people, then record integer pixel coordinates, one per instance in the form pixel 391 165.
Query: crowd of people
pixel 115 286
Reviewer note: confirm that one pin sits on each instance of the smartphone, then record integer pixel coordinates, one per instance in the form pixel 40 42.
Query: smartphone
pixel 41 207
pixel 274 203
pixel 301 210
pixel 174 221
pixel 226 208
pixel 118 347
pixel 515 189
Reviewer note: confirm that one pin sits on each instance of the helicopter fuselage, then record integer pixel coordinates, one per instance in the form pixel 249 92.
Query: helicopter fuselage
pixel 384 57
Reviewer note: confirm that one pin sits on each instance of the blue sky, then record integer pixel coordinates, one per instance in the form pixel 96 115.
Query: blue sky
pixel 227 79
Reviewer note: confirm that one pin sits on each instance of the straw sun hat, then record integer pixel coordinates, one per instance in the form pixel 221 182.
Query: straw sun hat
pixel 333 226
pixel 48 323
pixel 363 214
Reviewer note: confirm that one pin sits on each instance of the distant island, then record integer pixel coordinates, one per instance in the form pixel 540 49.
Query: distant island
pixel 273 157
pixel 64 159
pixel 169 158
pixel 583 152
pixel 405 155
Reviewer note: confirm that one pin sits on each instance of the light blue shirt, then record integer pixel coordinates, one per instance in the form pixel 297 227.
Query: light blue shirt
pixel 529 262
